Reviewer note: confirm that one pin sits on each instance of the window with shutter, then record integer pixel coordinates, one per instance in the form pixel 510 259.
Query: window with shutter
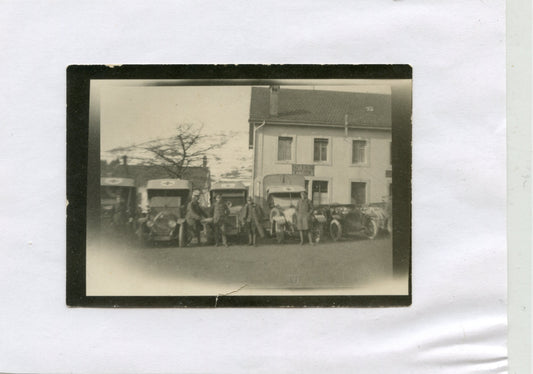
pixel 284 148
pixel 359 152
pixel 320 150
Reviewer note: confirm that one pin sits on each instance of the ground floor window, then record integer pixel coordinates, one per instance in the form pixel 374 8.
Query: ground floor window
pixel 320 193
pixel 358 193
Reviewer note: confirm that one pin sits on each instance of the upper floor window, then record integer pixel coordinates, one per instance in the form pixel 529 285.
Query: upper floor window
pixel 359 151
pixel 321 150
pixel 284 148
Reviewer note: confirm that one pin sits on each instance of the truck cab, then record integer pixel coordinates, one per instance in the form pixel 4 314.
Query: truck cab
pixel 234 194
pixel 118 203
pixel 280 195
pixel 167 201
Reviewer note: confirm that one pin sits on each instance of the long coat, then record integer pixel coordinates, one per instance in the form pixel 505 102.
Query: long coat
pixel 220 212
pixel 251 215
pixel 194 213
pixel 304 208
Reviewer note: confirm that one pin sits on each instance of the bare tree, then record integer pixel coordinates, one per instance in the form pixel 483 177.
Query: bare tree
pixel 174 154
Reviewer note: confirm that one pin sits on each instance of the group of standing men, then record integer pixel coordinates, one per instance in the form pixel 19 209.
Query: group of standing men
pixel 250 216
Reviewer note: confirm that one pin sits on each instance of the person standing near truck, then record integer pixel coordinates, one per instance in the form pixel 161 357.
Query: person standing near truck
pixel 193 217
pixel 220 214
pixel 304 209
pixel 251 216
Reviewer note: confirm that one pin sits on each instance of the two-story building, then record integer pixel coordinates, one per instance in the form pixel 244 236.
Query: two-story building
pixel 340 142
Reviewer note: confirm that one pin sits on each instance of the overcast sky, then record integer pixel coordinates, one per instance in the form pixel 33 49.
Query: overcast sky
pixel 133 114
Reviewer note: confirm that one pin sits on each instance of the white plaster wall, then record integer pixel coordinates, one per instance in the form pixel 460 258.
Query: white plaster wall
pixel 338 170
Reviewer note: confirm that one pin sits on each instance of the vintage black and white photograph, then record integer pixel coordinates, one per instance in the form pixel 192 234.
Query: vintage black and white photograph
pixel 224 188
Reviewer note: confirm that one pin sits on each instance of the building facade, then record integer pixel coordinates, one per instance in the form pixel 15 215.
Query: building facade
pixel 340 142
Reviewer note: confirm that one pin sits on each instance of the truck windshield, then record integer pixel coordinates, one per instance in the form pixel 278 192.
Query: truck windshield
pixel 169 198
pixel 232 198
pixel 284 200
pixel 109 194
pixel 234 201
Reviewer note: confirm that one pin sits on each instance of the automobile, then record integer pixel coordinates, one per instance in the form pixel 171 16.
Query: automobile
pixel 165 218
pixel 234 194
pixel 365 220
pixel 383 213
pixel 118 203
pixel 280 195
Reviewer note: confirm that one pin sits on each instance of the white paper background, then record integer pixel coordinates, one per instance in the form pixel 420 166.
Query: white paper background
pixel 457 323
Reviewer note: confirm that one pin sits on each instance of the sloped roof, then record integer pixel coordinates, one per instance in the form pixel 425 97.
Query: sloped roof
pixel 228 186
pixel 169 184
pixel 122 182
pixel 322 107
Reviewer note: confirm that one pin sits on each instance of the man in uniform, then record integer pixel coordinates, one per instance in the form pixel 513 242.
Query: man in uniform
pixel 251 216
pixel 193 217
pixel 220 214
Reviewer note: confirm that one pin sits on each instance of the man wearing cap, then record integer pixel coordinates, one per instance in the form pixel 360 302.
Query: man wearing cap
pixel 251 215
pixel 193 217
pixel 220 214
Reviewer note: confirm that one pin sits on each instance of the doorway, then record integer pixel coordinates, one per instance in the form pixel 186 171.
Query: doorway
pixel 358 193
pixel 320 194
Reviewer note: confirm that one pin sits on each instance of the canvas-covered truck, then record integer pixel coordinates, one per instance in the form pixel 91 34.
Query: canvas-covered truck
pixel 280 195
pixel 165 219
pixel 118 204
pixel 234 194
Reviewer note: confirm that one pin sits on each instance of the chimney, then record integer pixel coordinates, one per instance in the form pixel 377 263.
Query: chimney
pixel 204 161
pixel 274 101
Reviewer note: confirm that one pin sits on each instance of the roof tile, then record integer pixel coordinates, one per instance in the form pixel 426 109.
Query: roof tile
pixel 324 107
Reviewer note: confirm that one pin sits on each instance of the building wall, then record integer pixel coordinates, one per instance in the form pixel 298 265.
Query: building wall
pixel 338 170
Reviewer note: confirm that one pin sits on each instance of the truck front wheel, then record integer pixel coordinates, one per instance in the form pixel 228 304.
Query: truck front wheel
pixel 181 236
pixel 335 230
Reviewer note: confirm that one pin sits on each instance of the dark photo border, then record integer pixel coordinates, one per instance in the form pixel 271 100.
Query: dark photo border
pixel 80 161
